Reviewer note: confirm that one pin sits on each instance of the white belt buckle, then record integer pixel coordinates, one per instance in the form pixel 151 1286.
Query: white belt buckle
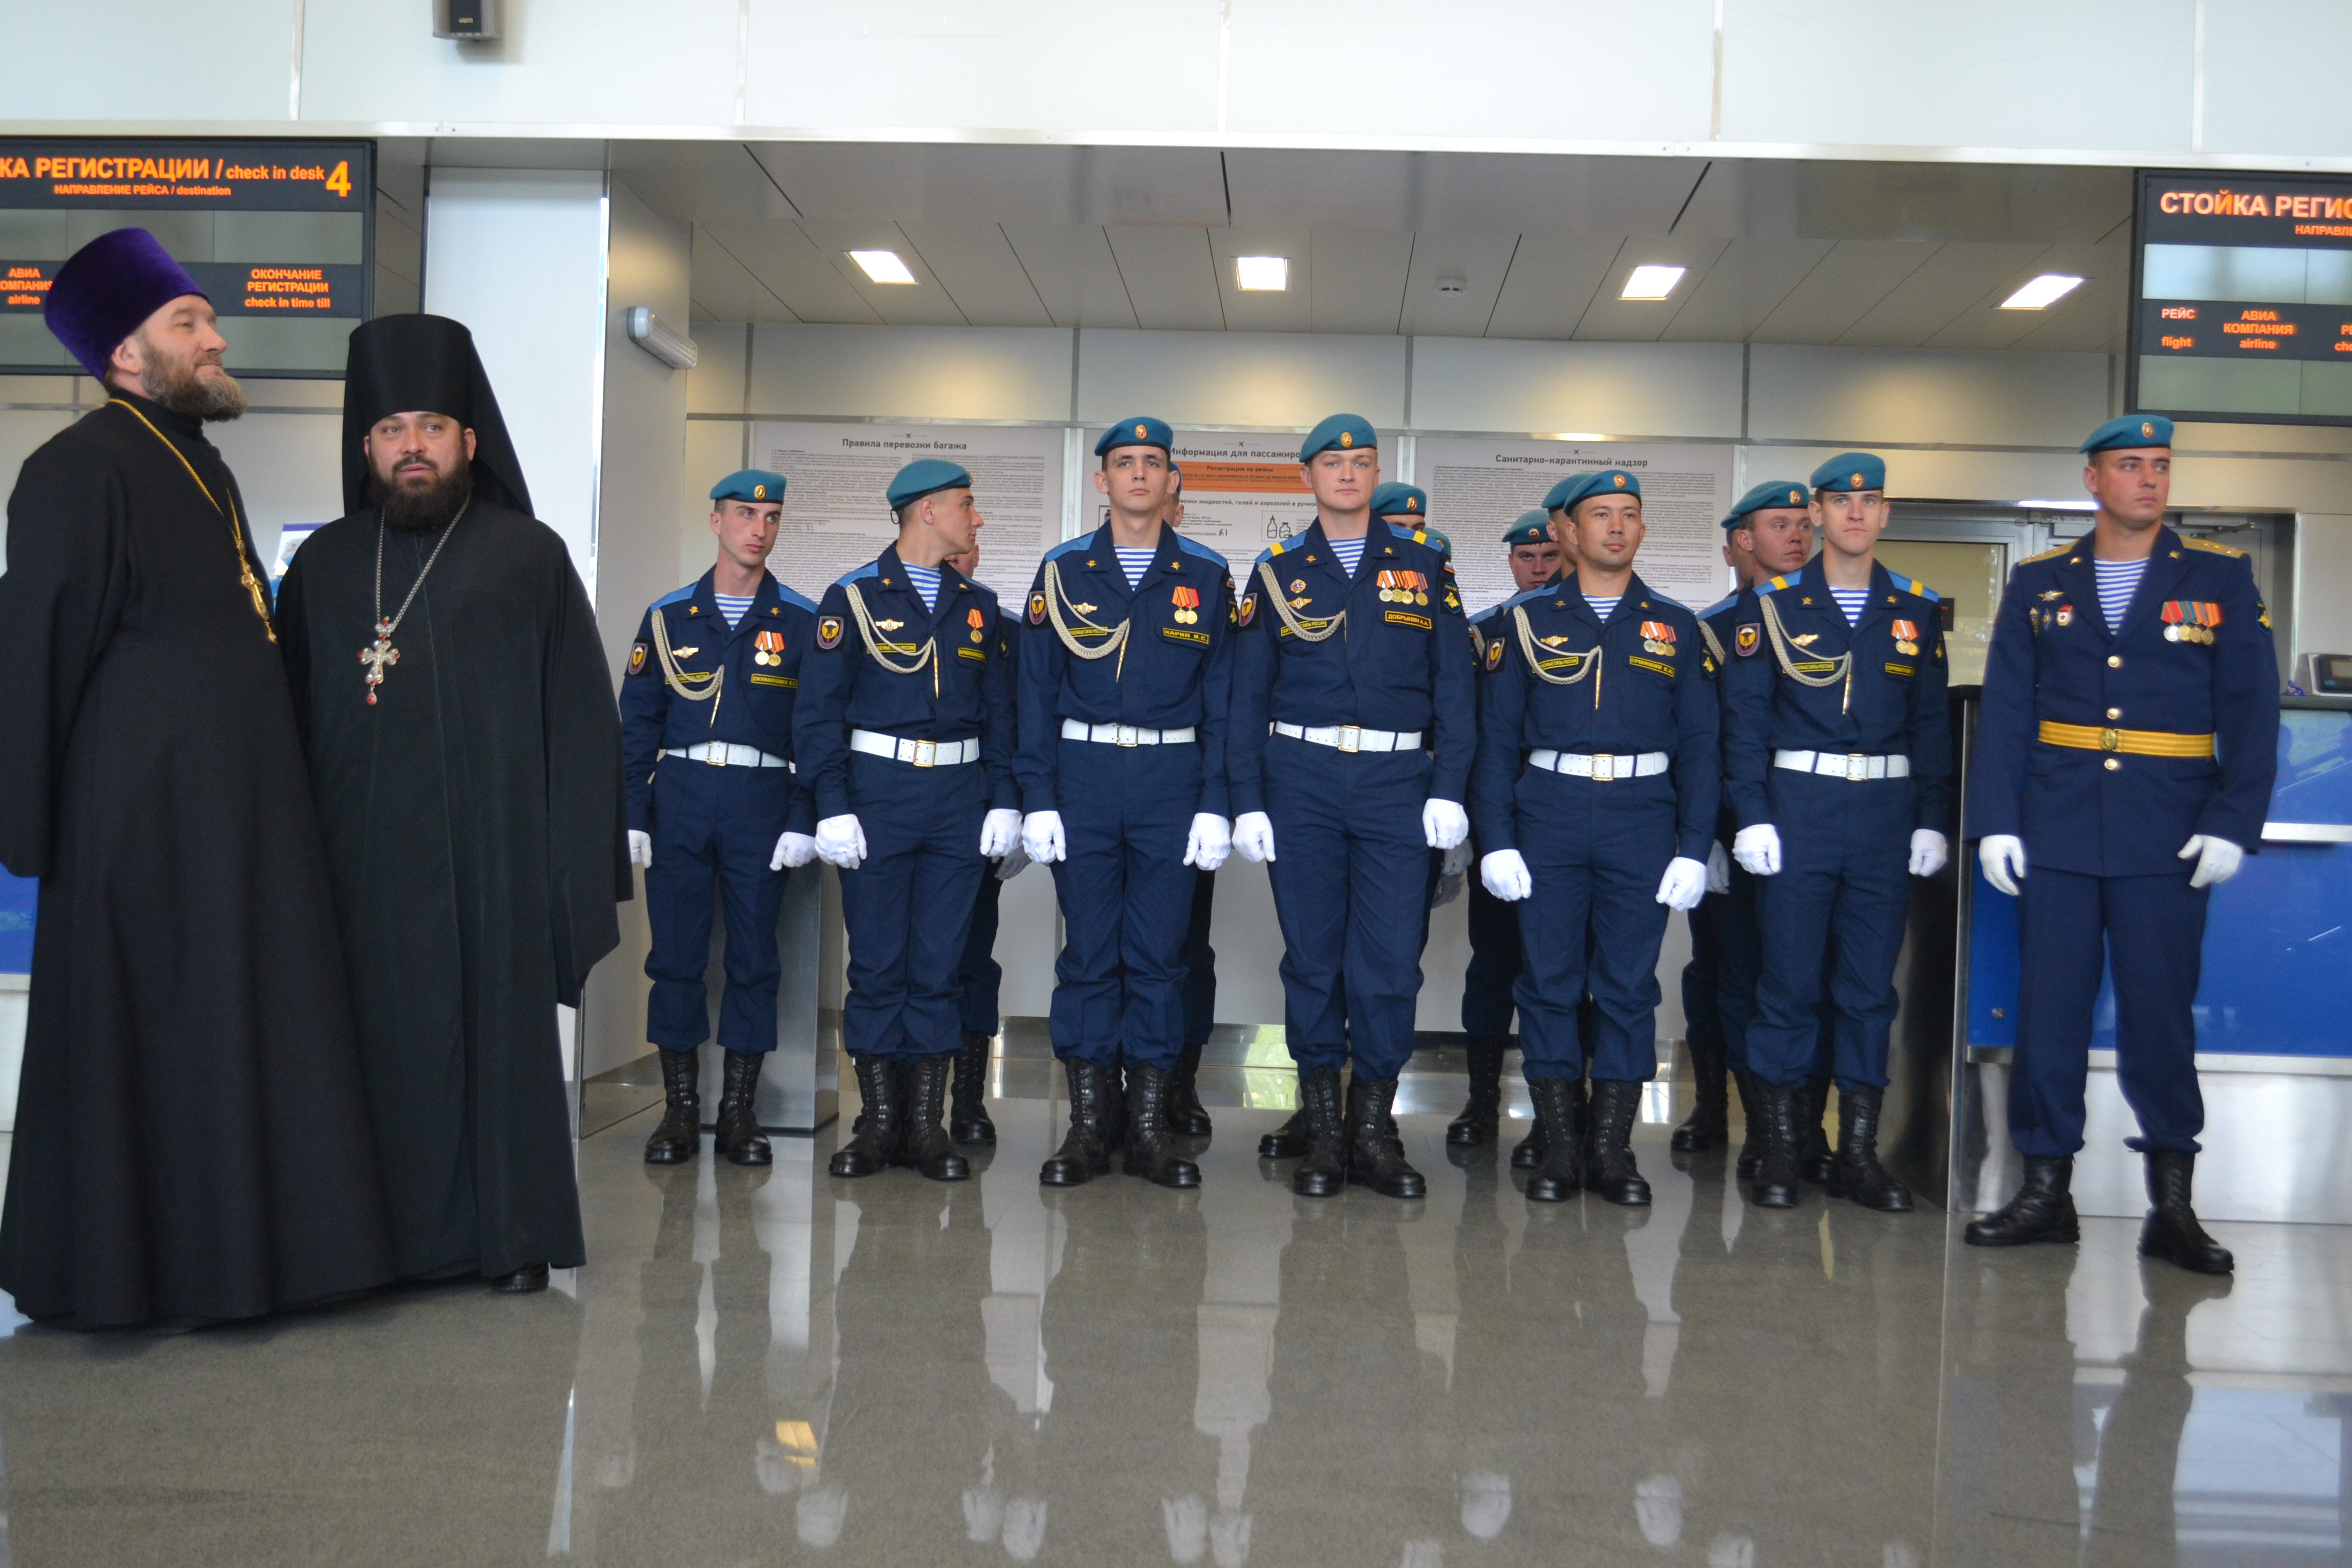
pixel 1126 735
pixel 715 754
pixel 1604 767
pixel 1857 767
pixel 927 753
pixel 1351 737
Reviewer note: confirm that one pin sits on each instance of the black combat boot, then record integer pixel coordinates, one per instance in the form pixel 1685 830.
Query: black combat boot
pixel 2043 1210
pixel 2171 1232
pixel 1187 1117
pixel 739 1136
pixel 1150 1155
pixel 1114 1100
pixel 1561 1174
pixel 1708 1126
pixel 679 1137
pixel 1751 1129
pixel 873 1137
pixel 1375 1153
pixel 1776 1177
pixel 925 1145
pixel 1482 1113
pixel 1608 1169
pixel 1815 1159
pixel 1289 1140
pixel 1856 1172
pixel 967 1120
pixel 1323 1170
pixel 1084 1152
pixel 1529 1152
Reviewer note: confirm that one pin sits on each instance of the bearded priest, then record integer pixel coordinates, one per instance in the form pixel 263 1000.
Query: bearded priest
pixel 466 752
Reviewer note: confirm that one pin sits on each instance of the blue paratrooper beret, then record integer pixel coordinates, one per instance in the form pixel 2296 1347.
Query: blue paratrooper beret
pixel 1529 528
pixel 1144 432
pixel 2133 430
pixel 1341 431
pixel 1607 482
pixel 1771 494
pixel 1851 471
pixel 750 484
pixel 926 476
pixel 1393 500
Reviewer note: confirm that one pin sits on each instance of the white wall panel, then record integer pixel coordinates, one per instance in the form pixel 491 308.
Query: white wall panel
pixel 2323 585
pixel 289 466
pixel 2275 79
pixel 714 385
pixel 1858 395
pixel 1609 389
pixel 224 61
pixel 911 372
pixel 1281 379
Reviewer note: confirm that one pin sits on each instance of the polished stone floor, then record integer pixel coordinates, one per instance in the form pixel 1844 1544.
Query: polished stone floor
pixel 767 1367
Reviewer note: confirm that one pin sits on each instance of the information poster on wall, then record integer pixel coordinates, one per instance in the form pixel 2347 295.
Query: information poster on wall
pixel 836 520
pixel 1478 486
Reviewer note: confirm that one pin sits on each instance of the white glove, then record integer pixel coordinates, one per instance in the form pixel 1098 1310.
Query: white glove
pixel 641 849
pixel 1757 849
pixel 1507 877
pixel 1454 861
pixel 2002 856
pixel 998 830
pixel 1444 822
pixel 1719 869
pixel 840 841
pixel 2216 859
pixel 793 849
pixel 1042 836
pixel 1253 836
pixel 1211 840
pixel 1684 885
pixel 1928 852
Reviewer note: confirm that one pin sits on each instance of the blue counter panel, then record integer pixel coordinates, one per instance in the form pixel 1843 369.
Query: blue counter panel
pixel 16 924
pixel 2278 939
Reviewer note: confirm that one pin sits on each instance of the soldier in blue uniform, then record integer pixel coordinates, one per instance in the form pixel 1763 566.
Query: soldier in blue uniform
pixel 707 734
pixel 1838 758
pixel 1187 1117
pixel 1494 965
pixel 1121 766
pixel 1596 789
pixel 1767 533
pixel 979 977
pixel 1352 654
pixel 904 737
pixel 2125 757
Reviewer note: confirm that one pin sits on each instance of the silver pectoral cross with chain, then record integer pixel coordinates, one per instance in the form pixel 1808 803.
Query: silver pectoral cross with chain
pixel 377 658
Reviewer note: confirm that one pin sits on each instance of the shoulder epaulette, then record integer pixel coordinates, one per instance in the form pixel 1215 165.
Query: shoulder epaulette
pixel 1913 585
pixel 795 598
pixel 1268 554
pixel 682 593
pixel 2046 555
pixel 871 568
pixel 1194 547
pixel 1770 583
pixel 2212 549
pixel 1719 606
pixel 1419 536
pixel 1081 542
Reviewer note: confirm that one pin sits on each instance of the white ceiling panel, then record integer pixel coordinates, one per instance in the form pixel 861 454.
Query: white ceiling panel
pixel 1823 199
pixel 1290 310
pixel 1278 189
pixel 976 265
pixel 1854 276
pixel 1553 195
pixel 1942 290
pixel 1074 272
pixel 1743 287
pixel 792 269
pixel 1171 276
pixel 1357 281
pixel 933 183
pixel 1611 319
pixel 1552 279
pixel 724 289
pixel 922 303
pixel 2093 311
pixel 1477 261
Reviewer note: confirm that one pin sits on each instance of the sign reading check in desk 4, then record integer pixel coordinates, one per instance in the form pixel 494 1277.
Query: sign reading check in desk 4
pixel 279 234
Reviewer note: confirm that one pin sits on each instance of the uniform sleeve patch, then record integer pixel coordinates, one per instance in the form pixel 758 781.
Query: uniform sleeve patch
pixel 1746 639
pixel 637 658
pixel 828 631
pixel 1494 654
pixel 1036 609
pixel 1248 610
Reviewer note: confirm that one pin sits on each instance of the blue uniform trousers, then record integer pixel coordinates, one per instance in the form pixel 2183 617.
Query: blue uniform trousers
pixel 1127 896
pixel 1351 877
pixel 907 907
pixel 1844 886
pixel 1726 958
pixel 1703 1023
pixel 979 976
pixel 1200 962
pixel 714 824
pixel 1594 924
pixel 1495 960
pixel 2151 929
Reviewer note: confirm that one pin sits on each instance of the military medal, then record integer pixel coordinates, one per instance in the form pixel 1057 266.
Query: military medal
pixel 1906 638
pixel 2065 616
pixel 1658 637
pixel 2190 621
pixel 770 648
pixel 1187 602
pixel 975 620
pixel 381 655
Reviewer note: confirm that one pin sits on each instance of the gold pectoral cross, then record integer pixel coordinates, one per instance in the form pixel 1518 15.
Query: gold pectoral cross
pixel 377 658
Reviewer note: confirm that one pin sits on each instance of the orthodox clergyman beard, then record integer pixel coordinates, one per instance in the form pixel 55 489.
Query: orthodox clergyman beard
pixel 416 510
pixel 180 386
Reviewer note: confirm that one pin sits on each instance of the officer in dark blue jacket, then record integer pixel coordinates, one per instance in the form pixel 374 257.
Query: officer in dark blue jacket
pixel 1494 966
pixel 1595 791
pixel 707 736
pixel 904 737
pixel 980 978
pixel 1122 771
pixel 1837 755
pixel 1353 654
pixel 2125 756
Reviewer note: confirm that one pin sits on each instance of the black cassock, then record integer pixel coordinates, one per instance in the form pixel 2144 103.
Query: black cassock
pixel 476 844
pixel 192 1141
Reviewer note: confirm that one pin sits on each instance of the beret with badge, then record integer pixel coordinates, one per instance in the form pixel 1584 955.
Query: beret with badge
pixel 926 476
pixel 1143 432
pixel 1339 432
pixel 1607 482
pixel 1529 528
pixel 750 484
pixel 2132 431
pixel 1393 500
pixel 1851 471
pixel 1770 495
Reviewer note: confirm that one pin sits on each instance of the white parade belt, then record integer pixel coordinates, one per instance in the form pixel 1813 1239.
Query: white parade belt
pixel 1600 767
pixel 721 754
pixel 1126 734
pixel 1351 737
pixel 922 753
pixel 1854 766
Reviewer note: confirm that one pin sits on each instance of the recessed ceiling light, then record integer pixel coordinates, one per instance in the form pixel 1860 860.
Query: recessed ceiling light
pixel 2043 293
pixel 1262 272
pixel 1651 282
pixel 882 266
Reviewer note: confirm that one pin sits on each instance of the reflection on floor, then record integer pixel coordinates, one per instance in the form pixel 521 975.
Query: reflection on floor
pixel 768 1367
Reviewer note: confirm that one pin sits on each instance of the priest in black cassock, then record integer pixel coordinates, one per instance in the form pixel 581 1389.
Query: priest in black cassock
pixel 465 752
pixel 191 1142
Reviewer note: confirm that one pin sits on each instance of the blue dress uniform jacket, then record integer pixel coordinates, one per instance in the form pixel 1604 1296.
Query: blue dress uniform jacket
pixel 1493 925
pixel 1174 671
pixel 2055 661
pixel 754 706
pixel 1393 667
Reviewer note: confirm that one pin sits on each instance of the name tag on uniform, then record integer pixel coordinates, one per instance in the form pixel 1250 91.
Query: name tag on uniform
pixel 1565 661
pixel 1640 663
pixel 1083 632
pixel 976 654
pixel 1905 670
pixel 1813 666
pixel 1407 618
pixel 775 680
pixel 1185 635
